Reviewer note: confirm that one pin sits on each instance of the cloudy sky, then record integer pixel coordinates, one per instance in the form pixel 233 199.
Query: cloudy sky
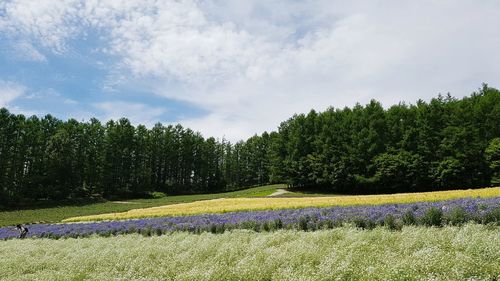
pixel 235 68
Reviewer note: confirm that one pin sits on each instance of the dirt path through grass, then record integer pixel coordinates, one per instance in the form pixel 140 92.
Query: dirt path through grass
pixel 278 192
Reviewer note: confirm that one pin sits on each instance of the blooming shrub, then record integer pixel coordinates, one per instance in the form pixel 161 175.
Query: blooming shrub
pixel 308 219
pixel 470 252
pixel 246 204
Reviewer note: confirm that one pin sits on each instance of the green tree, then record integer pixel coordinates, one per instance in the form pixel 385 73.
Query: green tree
pixel 493 157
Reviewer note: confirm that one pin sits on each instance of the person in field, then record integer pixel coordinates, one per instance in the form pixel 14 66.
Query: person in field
pixel 23 231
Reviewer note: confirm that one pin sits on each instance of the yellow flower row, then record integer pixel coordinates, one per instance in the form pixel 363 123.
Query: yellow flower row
pixel 244 204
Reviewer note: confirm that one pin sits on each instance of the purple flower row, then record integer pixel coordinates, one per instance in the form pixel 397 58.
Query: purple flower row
pixel 429 213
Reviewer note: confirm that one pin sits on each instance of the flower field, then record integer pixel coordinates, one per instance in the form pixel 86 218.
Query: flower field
pixel 325 240
pixel 54 214
pixel 245 204
pixel 470 252
pixel 458 211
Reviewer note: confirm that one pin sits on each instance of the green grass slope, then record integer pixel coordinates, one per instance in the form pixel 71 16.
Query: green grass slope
pixel 58 213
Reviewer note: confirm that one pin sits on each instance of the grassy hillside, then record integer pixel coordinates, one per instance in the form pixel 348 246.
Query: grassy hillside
pixel 240 204
pixel 471 252
pixel 58 213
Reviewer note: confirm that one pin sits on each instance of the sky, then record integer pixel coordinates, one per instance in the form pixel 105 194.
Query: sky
pixel 232 69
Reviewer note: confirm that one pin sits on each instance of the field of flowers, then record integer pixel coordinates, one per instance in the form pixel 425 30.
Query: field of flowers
pixel 393 216
pixel 59 212
pixel 245 204
pixel 326 240
pixel 470 252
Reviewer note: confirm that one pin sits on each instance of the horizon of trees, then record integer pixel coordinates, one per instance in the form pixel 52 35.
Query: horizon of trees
pixel 442 144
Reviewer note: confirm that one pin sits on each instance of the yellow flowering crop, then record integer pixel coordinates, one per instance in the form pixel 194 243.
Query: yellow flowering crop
pixel 242 204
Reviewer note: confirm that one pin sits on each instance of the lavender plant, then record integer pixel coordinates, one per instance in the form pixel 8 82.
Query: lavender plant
pixel 393 216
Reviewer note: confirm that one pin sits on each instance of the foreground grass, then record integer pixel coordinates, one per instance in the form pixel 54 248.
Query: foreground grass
pixel 471 252
pixel 241 204
pixel 58 213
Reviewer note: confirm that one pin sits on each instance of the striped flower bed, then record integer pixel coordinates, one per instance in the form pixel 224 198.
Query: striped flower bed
pixel 225 205
pixel 481 210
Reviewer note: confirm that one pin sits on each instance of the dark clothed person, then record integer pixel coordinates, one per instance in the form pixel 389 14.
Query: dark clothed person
pixel 23 231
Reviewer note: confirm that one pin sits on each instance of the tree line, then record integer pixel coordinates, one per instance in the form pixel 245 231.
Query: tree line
pixel 46 158
pixel 442 144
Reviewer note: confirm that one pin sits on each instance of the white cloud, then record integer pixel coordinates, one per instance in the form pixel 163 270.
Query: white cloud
pixel 49 23
pixel 253 64
pixel 44 94
pixel 391 54
pixel 174 40
pixel 137 113
pixel 70 101
pixel 26 51
pixel 10 91
pixel 27 113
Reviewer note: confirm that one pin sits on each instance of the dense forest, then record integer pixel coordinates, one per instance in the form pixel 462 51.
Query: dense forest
pixel 442 144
